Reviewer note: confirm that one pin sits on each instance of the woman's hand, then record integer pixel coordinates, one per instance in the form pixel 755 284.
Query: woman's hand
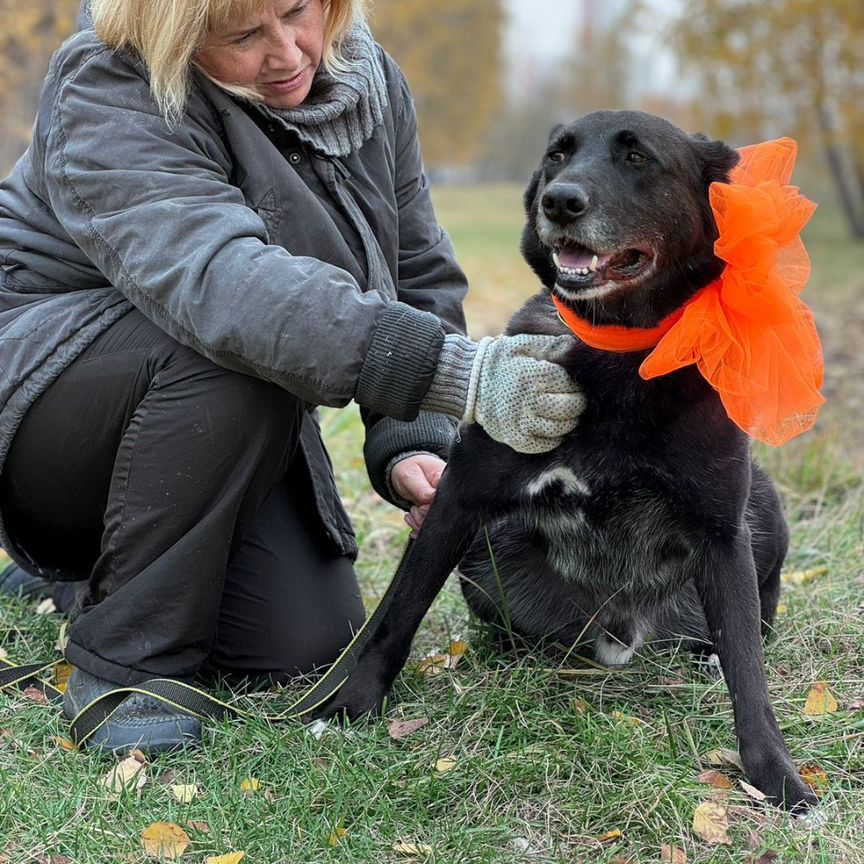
pixel 415 479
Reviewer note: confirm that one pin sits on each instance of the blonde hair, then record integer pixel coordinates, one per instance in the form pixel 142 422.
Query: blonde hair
pixel 167 33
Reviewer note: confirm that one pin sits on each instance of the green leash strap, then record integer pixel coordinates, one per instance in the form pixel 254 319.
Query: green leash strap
pixel 28 676
pixel 198 703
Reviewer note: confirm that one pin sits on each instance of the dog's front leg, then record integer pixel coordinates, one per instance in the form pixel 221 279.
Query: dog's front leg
pixel 443 539
pixel 726 580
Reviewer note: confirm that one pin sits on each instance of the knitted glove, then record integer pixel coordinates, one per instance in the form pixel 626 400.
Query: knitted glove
pixel 520 395
pixel 515 390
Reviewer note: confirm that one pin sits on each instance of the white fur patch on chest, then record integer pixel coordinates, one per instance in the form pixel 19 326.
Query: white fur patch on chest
pixel 560 474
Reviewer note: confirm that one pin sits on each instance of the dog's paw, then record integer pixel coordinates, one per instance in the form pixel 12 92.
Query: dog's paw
pixel 779 779
pixel 351 703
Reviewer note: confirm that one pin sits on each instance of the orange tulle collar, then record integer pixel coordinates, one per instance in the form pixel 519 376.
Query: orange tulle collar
pixel 751 336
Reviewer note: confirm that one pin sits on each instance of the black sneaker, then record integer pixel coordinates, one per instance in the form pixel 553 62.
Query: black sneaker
pixel 141 722
pixel 16 581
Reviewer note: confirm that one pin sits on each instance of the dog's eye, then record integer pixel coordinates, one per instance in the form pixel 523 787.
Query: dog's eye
pixel 557 156
pixel 636 158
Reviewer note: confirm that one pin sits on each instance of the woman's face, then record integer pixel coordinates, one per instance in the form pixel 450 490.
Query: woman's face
pixel 275 52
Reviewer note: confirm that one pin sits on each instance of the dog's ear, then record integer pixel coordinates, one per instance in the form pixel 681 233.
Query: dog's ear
pixel 538 257
pixel 716 158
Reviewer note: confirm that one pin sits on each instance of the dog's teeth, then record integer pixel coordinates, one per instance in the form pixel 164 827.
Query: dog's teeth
pixel 593 267
pixel 556 259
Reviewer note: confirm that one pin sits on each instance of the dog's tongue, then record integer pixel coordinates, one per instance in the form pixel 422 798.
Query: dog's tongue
pixel 577 258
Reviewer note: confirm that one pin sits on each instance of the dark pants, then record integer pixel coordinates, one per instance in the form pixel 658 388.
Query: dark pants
pixel 177 488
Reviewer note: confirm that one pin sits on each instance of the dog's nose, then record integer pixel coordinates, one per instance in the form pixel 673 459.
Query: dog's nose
pixel 563 202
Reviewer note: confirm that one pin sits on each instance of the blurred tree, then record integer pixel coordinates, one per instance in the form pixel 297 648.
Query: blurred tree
pixel 789 64
pixel 450 52
pixel 31 32
pixel 591 76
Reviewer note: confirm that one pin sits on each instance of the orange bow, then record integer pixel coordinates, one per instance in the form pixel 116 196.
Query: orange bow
pixel 752 337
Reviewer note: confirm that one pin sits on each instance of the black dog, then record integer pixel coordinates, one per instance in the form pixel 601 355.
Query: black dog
pixel 651 517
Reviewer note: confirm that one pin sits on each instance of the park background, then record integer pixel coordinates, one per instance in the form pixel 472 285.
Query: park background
pixel 532 758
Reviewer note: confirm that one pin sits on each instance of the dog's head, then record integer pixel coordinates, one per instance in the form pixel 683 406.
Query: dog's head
pixel 619 223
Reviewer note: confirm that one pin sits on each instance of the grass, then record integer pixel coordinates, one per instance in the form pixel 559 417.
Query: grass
pixel 548 759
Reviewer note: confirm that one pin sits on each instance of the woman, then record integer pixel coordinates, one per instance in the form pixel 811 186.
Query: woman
pixel 222 222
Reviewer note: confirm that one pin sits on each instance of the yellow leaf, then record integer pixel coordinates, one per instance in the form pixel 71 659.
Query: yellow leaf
pixel 458 648
pixel 337 835
pixel 820 701
pixel 185 793
pixel 60 676
pixel 412 849
pixel 803 577
pixel 814 776
pixel 614 834
pixel 711 823
pixel 621 717
pixel 725 759
pixel 672 855
pixel 65 744
pixel 715 779
pixel 448 763
pixel 230 858
pixel 164 839
pixel 434 664
pixel 250 786
pixel 128 774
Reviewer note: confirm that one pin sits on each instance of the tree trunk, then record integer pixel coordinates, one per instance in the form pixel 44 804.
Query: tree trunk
pixel 845 190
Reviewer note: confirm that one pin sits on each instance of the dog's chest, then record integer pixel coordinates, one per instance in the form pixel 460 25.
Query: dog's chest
pixel 625 527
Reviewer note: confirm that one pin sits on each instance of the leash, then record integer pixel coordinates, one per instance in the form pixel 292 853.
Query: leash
pixel 197 702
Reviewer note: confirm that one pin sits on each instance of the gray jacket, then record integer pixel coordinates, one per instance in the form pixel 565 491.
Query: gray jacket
pixel 328 277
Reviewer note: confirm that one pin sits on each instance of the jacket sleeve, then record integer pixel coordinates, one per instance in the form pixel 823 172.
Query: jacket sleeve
pixel 155 209
pixel 429 278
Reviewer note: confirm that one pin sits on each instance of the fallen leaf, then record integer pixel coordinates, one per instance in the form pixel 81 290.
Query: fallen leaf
pixel 609 836
pixel 857 705
pixel 128 774
pixel 412 849
pixel 250 786
pixel 820 701
pixel 753 792
pixel 458 648
pixel 580 706
pixel 230 858
pixel 621 717
pixel 814 776
pixel 803 577
pixel 337 835
pixel 711 823
pixel 448 763
pixel 164 839
pixel 34 694
pixel 725 759
pixel 434 664
pixel 185 792
pixel 65 744
pixel 672 855
pixel 60 676
pixel 400 729
pixel 767 857
pixel 199 826
pixel 53 859
pixel 716 779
